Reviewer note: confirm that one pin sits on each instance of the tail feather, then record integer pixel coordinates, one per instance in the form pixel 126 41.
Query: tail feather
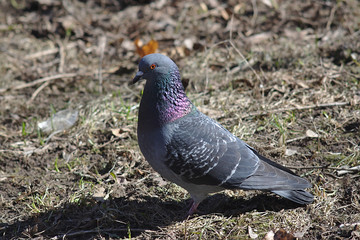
pixel 298 196
pixel 279 180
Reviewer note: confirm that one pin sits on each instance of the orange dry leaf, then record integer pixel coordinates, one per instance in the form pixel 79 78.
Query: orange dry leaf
pixel 148 48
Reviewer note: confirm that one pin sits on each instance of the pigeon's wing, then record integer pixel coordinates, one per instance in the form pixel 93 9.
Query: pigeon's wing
pixel 201 151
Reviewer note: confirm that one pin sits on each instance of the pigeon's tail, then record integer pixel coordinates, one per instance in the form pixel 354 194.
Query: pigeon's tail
pixel 298 196
pixel 271 176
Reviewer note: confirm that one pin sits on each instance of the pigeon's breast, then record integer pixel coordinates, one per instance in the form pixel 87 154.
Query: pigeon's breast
pixel 152 143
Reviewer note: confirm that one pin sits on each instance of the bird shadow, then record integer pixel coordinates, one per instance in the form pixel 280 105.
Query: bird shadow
pixel 123 217
pixel 234 206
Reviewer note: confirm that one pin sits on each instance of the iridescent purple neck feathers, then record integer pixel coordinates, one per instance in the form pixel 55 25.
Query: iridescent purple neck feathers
pixel 174 102
pixel 164 99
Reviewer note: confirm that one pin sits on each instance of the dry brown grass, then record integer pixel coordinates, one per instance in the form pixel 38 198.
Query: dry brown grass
pixel 295 98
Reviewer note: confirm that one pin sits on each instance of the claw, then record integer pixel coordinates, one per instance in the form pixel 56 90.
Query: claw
pixel 193 208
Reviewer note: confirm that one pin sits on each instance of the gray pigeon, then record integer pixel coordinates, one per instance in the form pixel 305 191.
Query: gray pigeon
pixel 194 151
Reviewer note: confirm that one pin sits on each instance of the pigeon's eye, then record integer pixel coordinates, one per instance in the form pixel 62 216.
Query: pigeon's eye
pixel 153 66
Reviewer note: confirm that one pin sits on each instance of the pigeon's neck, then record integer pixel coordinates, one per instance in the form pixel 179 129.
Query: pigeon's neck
pixel 163 101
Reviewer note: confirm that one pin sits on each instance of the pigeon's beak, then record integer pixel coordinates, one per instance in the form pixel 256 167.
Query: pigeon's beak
pixel 137 77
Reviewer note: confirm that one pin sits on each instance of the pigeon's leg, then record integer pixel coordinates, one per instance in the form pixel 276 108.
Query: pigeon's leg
pixel 193 207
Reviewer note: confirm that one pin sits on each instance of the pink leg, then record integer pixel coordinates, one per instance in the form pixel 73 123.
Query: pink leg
pixel 193 207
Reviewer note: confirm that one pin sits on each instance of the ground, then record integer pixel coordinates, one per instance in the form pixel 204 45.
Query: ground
pixel 281 75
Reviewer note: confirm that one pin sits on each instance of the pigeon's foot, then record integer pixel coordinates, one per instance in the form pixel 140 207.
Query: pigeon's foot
pixel 193 207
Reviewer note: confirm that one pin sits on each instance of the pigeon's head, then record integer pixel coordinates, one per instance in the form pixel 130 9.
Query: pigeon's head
pixel 155 66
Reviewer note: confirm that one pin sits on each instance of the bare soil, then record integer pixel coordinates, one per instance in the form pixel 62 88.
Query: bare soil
pixel 282 75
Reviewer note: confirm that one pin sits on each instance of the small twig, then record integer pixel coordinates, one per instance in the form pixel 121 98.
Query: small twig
pixel 62 56
pixel 238 52
pixel 48 51
pixel 244 59
pixel 102 44
pixel 313 167
pixel 107 143
pixel 296 139
pixel 341 170
pixel 12 151
pixel 84 175
pixel 321 105
pixel 52 135
pixel 331 17
pixel 45 79
pixel 72 234
pixel 349 224
pixel 231 26
pixel 349 170
pixel 253 19
pixel 207 53
pixel 33 96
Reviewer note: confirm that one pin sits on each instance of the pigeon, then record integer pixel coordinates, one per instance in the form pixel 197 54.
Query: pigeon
pixel 194 151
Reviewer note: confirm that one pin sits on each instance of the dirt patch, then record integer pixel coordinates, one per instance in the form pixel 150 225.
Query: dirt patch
pixel 283 76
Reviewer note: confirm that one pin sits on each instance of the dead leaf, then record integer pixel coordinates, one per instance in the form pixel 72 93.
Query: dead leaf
pixel 99 193
pixel 121 180
pixel 140 171
pixel 203 7
pixel 356 99
pixel 312 134
pixel 300 234
pixel 269 236
pixel 189 43
pixel 116 132
pixel 160 181
pixel 224 14
pixel 3 177
pixel 120 133
pixel 146 49
pixel 252 234
pixel 260 37
pixel 238 7
pixel 290 152
pixel 271 3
